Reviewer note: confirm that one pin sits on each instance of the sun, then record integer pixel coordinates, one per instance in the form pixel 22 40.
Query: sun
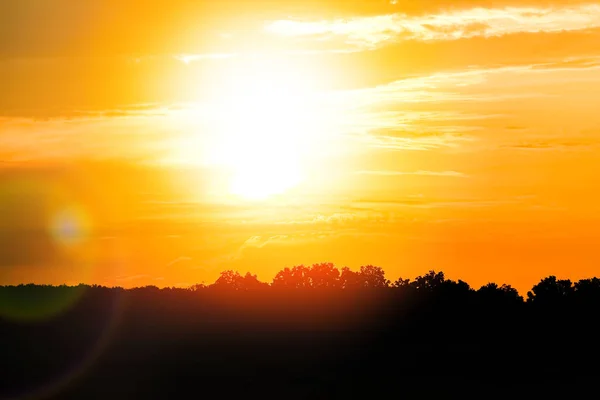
pixel 265 121
pixel 264 128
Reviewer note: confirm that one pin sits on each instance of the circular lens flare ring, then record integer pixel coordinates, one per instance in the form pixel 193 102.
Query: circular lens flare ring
pixel 70 226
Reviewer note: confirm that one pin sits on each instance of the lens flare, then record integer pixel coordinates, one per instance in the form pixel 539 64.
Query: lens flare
pixel 70 227
pixel 51 233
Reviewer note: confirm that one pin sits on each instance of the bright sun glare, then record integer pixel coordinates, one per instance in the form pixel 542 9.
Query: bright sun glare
pixel 265 124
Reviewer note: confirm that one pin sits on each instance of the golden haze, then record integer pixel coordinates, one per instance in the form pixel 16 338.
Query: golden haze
pixel 456 136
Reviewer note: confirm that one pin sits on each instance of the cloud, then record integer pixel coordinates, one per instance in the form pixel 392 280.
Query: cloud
pixel 90 138
pixel 549 145
pixel 324 219
pixel 430 203
pixel 188 58
pixel 179 260
pixel 446 110
pixel 479 108
pixel 420 173
pixel 262 241
pixel 130 278
pixel 368 32
pixel 49 28
pixel 418 144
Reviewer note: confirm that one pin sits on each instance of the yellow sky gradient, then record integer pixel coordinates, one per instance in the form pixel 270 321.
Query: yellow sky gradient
pixel 161 142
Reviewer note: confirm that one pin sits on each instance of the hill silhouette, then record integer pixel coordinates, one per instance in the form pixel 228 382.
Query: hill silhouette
pixel 313 332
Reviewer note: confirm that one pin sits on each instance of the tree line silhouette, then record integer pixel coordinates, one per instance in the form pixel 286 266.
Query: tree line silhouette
pixel 327 276
pixel 312 332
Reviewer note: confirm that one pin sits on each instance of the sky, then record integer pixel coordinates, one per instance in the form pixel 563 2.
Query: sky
pixel 161 142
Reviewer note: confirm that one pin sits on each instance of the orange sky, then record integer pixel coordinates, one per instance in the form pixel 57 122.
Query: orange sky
pixel 160 142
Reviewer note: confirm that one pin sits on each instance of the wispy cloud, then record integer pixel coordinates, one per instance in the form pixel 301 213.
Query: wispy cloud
pixel 130 278
pixel 139 136
pixel 188 58
pixel 407 143
pixel 324 219
pixel 552 145
pixel 475 108
pixel 431 203
pixel 179 260
pixel 373 31
pixel 262 241
pixel 446 110
pixel 419 173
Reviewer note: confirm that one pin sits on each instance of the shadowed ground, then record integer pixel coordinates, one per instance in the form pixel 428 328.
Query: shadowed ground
pixel 150 343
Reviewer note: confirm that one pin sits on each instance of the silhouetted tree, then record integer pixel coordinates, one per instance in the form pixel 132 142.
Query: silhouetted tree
pixel 297 277
pixel 350 279
pixel 401 283
pixel 373 277
pixel 453 293
pixel 324 275
pixel 251 282
pixel 455 287
pixel 228 280
pixel 232 280
pixel 550 291
pixel 429 281
pixel 435 331
pixel 587 290
pixel 492 293
pixel 197 287
pixel 490 287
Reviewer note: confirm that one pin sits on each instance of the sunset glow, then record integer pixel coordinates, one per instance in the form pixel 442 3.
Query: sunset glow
pixel 213 135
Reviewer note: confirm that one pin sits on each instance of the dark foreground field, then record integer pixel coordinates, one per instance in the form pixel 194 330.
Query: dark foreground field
pixel 292 344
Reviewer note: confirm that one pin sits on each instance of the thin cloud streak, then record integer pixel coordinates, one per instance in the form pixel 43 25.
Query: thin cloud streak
pixel 374 31
pixel 419 173
pixel 188 58
pixel 388 118
pixel 418 113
